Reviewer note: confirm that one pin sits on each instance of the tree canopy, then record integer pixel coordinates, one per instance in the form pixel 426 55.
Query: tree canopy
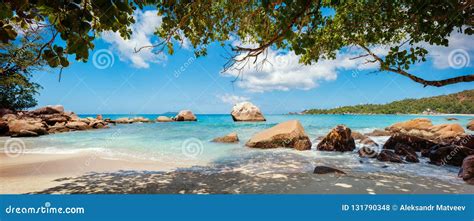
pixel 17 62
pixel 312 29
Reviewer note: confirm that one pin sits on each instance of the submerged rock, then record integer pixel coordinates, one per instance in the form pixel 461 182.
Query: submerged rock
pixel 339 139
pixel 246 111
pixel 467 170
pixel 326 169
pixel 389 156
pixel 229 138
pixel 451 118
pixel 368 152
pixel 185 115
pixel 163 119
pixel 287 134
pixel 412 159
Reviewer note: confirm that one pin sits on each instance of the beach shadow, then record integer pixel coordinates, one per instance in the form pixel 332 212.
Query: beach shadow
pixel 253 175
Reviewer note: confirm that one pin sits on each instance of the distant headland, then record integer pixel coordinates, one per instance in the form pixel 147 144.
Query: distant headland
pixel 457 103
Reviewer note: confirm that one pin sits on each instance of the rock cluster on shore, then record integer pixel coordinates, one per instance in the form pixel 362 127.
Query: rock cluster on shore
pixel 45 120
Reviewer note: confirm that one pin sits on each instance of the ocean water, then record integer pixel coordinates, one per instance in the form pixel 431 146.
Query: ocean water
pixel 187 144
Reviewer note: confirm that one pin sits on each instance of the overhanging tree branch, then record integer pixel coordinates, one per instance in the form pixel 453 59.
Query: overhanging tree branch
pixel 249 53
pixel 424 82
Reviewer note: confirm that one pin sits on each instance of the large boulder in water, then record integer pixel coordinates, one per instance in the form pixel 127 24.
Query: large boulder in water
pixel 26 128
pixel 287 134
pixel 339 139
pixel 185 115
pixel 415 124
pixel 50 109
pixel 229 138
pixel 246 111
pixel 467 170
pixel 416 143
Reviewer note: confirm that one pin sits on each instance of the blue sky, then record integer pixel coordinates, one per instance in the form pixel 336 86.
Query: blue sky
pixel 147 83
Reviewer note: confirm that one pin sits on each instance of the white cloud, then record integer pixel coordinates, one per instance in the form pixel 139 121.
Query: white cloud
pixel 457 41
pixel 146 24
pixel 283 72
pixel 232 99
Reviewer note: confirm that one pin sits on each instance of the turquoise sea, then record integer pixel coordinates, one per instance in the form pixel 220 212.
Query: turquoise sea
pixel 187 144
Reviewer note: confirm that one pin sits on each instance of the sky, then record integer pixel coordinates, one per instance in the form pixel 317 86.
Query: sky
pixel 116 80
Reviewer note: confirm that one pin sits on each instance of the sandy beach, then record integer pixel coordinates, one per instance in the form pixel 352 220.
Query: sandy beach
pixel 91 173
pixel 34 172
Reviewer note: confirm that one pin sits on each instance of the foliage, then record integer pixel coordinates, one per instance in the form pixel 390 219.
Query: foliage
pixel 458 103
pixel 17 91
pixel 17 61
pixel 312 29
pixel 318 29
pixel 76 22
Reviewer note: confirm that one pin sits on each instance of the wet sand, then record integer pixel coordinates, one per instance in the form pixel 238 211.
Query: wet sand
pixel 92 173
